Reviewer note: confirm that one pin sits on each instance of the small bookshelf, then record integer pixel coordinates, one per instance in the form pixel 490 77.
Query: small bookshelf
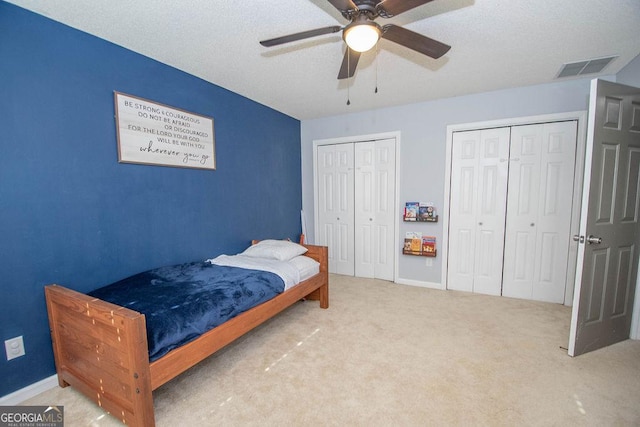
pixel 420 212
pixel 418 245
pixel 427 254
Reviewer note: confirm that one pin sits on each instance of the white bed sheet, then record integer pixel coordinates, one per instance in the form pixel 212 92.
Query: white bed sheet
pixel 286 270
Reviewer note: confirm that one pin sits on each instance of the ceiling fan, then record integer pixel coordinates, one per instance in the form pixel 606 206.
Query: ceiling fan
pixel 362 33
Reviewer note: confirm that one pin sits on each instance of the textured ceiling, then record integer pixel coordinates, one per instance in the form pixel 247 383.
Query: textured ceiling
pixel 496 44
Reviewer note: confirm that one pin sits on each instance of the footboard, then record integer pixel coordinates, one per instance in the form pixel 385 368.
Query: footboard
pixel 101 350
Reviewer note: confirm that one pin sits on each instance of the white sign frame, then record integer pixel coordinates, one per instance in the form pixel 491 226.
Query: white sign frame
pixel 150 133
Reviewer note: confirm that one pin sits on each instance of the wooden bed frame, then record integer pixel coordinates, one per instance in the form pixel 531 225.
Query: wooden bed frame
pixel 101 348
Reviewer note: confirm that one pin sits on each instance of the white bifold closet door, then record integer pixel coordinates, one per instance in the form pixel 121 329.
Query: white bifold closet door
pixel 334 171
pixel 510 210
pixel 541 172
pixel 356 198
pixel 374 208
pixel 477 210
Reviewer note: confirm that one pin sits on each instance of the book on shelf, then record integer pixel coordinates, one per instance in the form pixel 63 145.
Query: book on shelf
pixel 411 211
pixel 428 245
pixel 412 243
pixel 427 212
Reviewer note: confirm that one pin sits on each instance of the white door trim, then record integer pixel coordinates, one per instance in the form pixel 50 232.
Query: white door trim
pixel 362 138
pixel 581 117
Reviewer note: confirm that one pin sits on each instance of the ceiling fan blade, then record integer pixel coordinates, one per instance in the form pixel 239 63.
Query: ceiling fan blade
pixel 299 36
pixel 415 41
pixel 344 6
pixel 349 64
pixel 389 8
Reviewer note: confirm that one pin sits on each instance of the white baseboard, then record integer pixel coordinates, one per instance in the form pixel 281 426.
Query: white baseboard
pixel 431 285
pixel 29 391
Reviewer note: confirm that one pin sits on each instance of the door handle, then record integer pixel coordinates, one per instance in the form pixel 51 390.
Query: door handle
pixel 591 239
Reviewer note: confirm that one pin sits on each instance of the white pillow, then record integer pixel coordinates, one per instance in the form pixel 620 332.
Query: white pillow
pixel 307 267
pixel 282 250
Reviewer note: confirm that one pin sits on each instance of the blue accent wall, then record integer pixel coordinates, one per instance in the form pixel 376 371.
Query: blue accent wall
pixel 71 214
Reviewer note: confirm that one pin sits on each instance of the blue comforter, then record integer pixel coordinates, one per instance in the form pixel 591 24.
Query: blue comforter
pixel 182 302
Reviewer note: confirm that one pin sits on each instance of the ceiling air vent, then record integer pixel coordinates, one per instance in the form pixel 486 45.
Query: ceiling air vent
pixel 590 66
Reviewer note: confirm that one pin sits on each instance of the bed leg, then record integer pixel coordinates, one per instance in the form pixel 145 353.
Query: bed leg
pixel 324 296
pixel 62 383
pixel 321 294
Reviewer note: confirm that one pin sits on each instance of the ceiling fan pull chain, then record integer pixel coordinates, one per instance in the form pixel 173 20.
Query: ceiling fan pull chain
pixel 349 79
pixel 376 59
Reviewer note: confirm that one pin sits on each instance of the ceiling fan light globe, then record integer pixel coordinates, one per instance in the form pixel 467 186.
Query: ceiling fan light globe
pixel 361 37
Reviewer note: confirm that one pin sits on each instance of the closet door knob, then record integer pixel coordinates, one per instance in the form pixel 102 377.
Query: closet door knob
pixel 533 224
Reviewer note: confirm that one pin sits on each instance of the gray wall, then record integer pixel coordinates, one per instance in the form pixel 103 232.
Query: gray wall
pixel 422 130
pixel 630 75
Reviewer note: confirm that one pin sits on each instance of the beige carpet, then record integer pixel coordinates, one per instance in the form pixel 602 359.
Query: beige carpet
pixel 386 354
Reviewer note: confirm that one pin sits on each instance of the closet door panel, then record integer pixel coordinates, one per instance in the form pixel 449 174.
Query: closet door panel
pixel 462 205
pixel 335 205
pixel 365 195
pixel 326 199
pixel 374 208
pixel 478 192
pixel 539 207
pixel 522 211
pixel 558 156
pixel 384 209
pixel 490 214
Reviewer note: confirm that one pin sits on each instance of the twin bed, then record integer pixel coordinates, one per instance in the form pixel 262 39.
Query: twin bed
pixel 120 342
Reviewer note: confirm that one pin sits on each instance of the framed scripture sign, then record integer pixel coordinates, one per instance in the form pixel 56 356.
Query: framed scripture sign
pixel 154 134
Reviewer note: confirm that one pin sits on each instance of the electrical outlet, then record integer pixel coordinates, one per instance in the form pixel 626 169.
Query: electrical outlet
pixel 429 262
pixel 14 347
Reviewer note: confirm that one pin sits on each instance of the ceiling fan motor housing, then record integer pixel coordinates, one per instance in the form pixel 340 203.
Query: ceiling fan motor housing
pixel 365 7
